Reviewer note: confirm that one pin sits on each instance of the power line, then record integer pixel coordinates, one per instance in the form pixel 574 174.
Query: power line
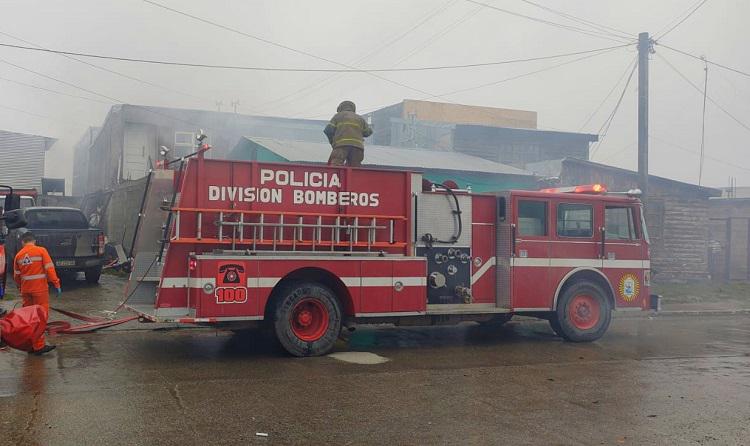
pixel 99 67
pixel 548 22
pixel 279 45
pixel 242 33
pixel 697 88
pixel 604 129
pixel 308 88
pixel 308 70
pixel 689 14
pixel 463 90
pixel 430 40
pixel 685 53
pixel 520 76
pixel 614 87
pixel 597 26
pixel 438 35
pixel 54 91
pixel 718 160
pixel 617 152
pixel 114 99
pixel 36 115
pixel 69 84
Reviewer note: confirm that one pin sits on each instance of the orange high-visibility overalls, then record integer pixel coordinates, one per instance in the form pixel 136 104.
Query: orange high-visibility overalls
pixel 32 268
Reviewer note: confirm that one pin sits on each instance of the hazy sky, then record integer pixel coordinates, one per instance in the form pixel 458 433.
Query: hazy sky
pixel 366 34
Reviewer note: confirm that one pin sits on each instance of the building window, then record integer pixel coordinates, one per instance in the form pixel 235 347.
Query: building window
pixel 575 220
pixel 619 223
pixel 185 144
pixel 532 218
pixel 184 139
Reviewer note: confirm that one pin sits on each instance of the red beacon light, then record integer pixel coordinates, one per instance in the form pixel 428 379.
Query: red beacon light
pixel 581 189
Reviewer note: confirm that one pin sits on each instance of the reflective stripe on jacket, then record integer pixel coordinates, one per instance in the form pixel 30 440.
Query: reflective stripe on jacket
pixel 32 268
pixel 347 129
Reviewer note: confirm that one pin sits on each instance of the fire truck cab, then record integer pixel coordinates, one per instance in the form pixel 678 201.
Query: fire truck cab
pixel 309 249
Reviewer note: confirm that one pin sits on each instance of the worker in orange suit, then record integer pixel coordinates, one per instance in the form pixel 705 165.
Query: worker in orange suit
pixel 32 269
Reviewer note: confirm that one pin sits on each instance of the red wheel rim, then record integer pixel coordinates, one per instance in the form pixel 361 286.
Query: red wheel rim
pixel 309 319
pixel 584 312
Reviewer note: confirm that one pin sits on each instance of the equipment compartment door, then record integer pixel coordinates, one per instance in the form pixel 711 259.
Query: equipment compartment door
pixel 377 286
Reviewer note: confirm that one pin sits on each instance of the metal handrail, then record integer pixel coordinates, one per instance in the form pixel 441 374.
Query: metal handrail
pixel 304 214
pixel 352 229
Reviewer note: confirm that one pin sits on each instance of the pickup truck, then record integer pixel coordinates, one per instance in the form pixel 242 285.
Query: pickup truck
pixel 65 232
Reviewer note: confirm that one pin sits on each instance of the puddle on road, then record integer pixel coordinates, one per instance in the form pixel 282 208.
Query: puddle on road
pixel 365 358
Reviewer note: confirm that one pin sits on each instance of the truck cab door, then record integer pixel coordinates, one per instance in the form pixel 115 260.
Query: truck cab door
pixel 624 251
pixel 530 251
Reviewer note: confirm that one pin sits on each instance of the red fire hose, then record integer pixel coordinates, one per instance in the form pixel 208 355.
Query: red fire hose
pixel 94 323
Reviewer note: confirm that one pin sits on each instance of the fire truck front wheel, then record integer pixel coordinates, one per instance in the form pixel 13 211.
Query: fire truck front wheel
pixel 583 313
pixel 307 319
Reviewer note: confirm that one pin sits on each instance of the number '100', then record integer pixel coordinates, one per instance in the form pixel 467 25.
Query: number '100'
pixel 231 295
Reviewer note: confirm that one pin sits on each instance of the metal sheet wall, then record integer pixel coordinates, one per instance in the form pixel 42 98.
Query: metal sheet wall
pixel 22 158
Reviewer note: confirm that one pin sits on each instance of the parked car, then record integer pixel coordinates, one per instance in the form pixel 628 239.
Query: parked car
pixel 65 232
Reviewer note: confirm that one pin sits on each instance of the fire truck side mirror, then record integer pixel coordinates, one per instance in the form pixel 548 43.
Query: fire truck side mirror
pixel 14 219
pixel 12 202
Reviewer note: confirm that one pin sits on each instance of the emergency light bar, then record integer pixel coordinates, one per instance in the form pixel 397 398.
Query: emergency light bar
pixel 581 189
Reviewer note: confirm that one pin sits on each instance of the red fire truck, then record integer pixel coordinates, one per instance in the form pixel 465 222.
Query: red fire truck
pixel 309 249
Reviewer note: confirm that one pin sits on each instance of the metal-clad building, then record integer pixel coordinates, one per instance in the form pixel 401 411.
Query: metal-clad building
pixel 128 144
pixel 393 122
pixel 22 156
pixel 81 161
pixel 519 147
pixel 500 135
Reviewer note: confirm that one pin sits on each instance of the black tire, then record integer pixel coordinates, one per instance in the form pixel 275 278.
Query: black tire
pixel 583 313
pixel 323 328
pixel 93 275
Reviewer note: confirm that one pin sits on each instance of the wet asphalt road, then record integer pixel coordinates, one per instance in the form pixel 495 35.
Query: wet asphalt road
pixel 648 381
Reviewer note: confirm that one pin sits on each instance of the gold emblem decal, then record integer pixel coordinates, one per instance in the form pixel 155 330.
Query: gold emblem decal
pixel 629 287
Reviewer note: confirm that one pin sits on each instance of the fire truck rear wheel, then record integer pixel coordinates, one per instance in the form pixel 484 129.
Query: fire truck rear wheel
pixel 307 320
pixel 583 313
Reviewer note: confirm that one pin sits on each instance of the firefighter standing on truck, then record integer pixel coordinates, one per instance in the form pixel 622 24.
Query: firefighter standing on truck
pixel 32 269
pixel 347 132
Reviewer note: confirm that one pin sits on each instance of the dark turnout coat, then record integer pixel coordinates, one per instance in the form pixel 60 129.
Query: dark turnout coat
pixel 347 128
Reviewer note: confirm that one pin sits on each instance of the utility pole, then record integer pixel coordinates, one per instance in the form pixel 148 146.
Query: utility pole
pixel 235 104
pixel 219 104
pixel 644 49
pixel 703 123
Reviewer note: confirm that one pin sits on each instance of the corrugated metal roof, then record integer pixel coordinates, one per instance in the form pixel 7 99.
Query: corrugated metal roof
pixel 385 156
pixel 555 168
